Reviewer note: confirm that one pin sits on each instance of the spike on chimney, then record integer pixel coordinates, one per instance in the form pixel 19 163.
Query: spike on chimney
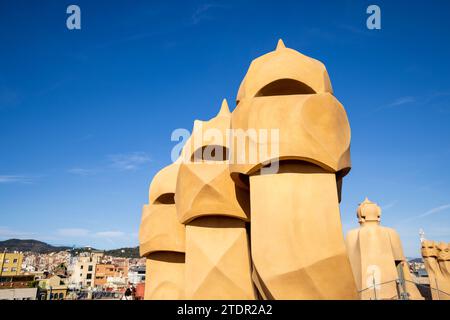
pixel 224 109
pixel 280 45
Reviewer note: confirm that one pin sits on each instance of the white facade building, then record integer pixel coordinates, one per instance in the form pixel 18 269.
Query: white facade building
pixel 136 275
pixel 83 274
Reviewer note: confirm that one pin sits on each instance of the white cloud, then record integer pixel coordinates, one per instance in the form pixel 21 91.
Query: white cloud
pixel 389 205
pixel 109 234
pixel 429 212
pixel 435 210
pixel 68 236
pixel 401 101
pixel 8 233
pixel 128 161
pixel 85 233
pixel 122 161
pixel 202 12
pixel 15 179
pixel 72 232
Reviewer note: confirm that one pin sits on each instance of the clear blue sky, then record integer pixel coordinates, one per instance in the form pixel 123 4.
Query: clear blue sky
pixel 86 115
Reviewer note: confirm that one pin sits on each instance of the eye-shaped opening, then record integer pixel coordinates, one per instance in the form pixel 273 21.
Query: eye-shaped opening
pixel 283 87
pixel 165 198
pixel 211 153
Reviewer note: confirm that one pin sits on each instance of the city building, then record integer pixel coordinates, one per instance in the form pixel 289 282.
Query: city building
pixel 10 263
pixel 54 287
pixel 18 294
pixel 136 275
pixel 18 287
pixel 102 272
pixel 117 283
pixel 54 274
pixel 140 290
pixel 83 275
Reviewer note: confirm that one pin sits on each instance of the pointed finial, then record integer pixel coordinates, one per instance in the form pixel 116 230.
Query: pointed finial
pixel 280 45
pixel 224 109
pixel 366 201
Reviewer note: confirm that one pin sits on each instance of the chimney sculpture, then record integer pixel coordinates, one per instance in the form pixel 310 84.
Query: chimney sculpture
pixel 215 212
pixel 285 158
pixel 429 255
pixel 162 239
pixel 443 258
pixel 297 244
pixel 376 255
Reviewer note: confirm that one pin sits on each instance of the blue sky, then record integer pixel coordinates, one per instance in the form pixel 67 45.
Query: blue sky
pixel 86 115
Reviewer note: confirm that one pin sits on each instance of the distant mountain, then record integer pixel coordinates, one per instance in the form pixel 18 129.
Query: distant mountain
pixel 124 252
pixel 36 246
pixel 29 245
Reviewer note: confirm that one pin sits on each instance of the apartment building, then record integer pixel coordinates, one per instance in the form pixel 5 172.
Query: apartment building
pixel 108 273
pixel 10 263
pixel 136 275
pixel 17 287
pixel 83 275
pixel 102 272
pixel 53 288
